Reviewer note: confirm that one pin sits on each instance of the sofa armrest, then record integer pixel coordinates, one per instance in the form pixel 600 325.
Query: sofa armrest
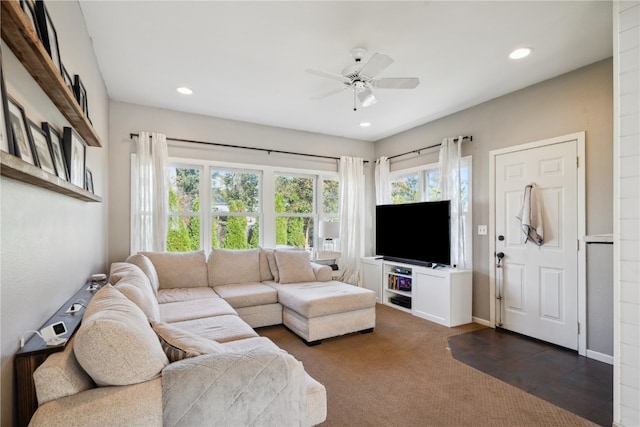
pixel 263 387
pixel 323 272
pixel 129 405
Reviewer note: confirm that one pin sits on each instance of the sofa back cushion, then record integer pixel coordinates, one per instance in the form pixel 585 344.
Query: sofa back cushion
pixel 180 269
pixel 115 344
pixel 227 266
pixel 60 375
pixel 134 284
pixel 147 268
pixel 265 269
pixel 294 266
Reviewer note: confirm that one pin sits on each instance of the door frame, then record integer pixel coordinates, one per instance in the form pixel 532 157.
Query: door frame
pixel 582 253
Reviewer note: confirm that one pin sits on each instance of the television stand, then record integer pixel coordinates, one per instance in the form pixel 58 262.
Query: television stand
pixel 442 294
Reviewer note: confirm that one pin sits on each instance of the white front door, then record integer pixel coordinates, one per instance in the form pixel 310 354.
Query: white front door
pixel 537 286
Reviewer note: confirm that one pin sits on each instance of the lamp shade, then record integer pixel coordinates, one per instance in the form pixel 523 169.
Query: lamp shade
pixel 329 230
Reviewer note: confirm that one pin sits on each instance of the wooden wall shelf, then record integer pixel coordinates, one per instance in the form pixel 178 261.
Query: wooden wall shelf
pixel 13 167
pixel 20 36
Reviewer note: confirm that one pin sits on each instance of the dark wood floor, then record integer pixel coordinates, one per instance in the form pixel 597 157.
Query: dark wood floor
pixel 560 376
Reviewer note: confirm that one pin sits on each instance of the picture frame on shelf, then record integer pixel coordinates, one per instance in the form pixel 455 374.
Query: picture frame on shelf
pixel 39 139
pixel 6 136
pixel 21 141
pixel 89 180
pixel 54 139
pixel 81 94
pixel 29 9
pixel 67 79
pixel 75 151
pixel 48 34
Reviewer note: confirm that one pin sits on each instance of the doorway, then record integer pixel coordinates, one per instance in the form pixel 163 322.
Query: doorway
pixel 540 291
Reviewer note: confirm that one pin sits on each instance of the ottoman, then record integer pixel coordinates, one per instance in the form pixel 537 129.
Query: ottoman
pixel 318 310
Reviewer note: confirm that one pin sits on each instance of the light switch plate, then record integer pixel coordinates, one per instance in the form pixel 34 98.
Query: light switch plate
pixel 482 230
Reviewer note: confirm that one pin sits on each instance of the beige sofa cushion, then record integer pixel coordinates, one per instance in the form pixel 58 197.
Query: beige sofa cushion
pixel 134 284
pixel 185 294
pixel 179 344
pixel 294 266
pixel 60 375
pixel 247 294
pixel 265 270
pixel 147 268
pixel 115 344
pixel 194 309
pixel 180 269
pixel 273 266
pixel 226 266
pixel 220 328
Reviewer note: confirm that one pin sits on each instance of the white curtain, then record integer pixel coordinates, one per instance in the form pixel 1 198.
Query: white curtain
pixel 450 186
pixel 383 182
pixel 352 216
pixel 150 194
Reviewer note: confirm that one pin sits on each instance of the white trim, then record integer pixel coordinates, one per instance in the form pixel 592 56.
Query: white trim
pixel 579 137
pixel 601 357
pixel 482 322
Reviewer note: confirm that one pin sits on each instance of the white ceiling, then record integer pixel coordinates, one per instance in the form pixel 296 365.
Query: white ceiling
pixel 247 60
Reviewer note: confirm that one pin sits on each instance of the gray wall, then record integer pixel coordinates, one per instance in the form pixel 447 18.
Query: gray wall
pixel 50 243
pixel 578 101
pixel 129 118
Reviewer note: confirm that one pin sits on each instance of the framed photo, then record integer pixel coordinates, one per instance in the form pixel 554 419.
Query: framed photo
pixel 81 94
pixel 6 136
pixel 67 79
pixel 21 141
pixel 39 139
pixel 48 34
pixel 29 9
pixel 75 152
pixel 55 146
pixel 89 181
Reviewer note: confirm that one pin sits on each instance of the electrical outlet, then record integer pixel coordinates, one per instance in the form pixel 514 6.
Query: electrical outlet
pixel 482 230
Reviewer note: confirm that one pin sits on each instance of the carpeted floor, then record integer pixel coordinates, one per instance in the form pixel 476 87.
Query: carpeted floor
pixel 403 374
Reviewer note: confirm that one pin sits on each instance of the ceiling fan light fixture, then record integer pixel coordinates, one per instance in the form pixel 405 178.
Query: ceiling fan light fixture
pixel 520 53
pixel 184 90
pixel 367 98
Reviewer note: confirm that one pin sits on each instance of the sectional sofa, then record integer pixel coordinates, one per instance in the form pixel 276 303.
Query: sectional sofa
pixel 170 340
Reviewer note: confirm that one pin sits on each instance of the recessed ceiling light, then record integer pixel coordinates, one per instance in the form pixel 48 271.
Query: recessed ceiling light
pixel 184 90
pixel 365 124
pixel 520 53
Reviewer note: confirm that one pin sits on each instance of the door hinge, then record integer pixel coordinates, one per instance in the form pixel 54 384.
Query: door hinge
pixel 577 162
pixel 578 328
pixel 577 244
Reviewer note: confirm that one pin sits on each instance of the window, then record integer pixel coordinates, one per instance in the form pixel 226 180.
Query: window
pixel 228 209
pixel 295 212
pixel 404 188
pixel 235 209
pixel 184 209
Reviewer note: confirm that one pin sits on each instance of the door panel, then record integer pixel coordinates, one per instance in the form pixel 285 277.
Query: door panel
pixel 539 283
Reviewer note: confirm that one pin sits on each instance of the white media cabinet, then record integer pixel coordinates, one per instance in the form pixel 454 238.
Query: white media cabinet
pixel 442 295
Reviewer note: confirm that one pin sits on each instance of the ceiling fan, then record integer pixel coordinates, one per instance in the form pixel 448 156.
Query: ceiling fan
pixel 361 79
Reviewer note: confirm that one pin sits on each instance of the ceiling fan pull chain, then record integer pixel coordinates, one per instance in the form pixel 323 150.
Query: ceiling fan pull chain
pixel 354 100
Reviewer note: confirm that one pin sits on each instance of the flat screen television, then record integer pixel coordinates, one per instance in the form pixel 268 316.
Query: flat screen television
pixel 415 233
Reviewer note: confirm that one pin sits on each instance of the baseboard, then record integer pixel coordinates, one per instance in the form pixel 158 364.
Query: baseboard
pixel 601 357
pixel 482 321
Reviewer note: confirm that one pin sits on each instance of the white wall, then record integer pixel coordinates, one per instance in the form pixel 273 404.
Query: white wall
pixel 129 118
pixel 626 410
pixel 578 101
pixel 50 243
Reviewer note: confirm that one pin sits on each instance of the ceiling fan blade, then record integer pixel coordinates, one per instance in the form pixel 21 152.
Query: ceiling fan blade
pixel 331 92
pixel 367 98
pixel 376 64
pixel 321 73
pixel 396 83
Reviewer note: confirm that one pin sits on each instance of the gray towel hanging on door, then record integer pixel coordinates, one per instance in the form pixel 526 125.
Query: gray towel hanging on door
pixel 530 215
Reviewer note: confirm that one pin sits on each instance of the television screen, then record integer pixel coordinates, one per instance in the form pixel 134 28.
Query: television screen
pixel 416 233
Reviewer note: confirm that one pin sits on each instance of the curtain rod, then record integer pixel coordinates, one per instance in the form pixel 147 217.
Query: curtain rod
pixel 267 150
pixel 470 138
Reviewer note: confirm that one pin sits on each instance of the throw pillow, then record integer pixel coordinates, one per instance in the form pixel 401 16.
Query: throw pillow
pixel 179 344
pixel 147 268
pixel 115 344
pixel 180 269
pixel 265 270
pixel 228 266
pixel 294 266
pixel 273 266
